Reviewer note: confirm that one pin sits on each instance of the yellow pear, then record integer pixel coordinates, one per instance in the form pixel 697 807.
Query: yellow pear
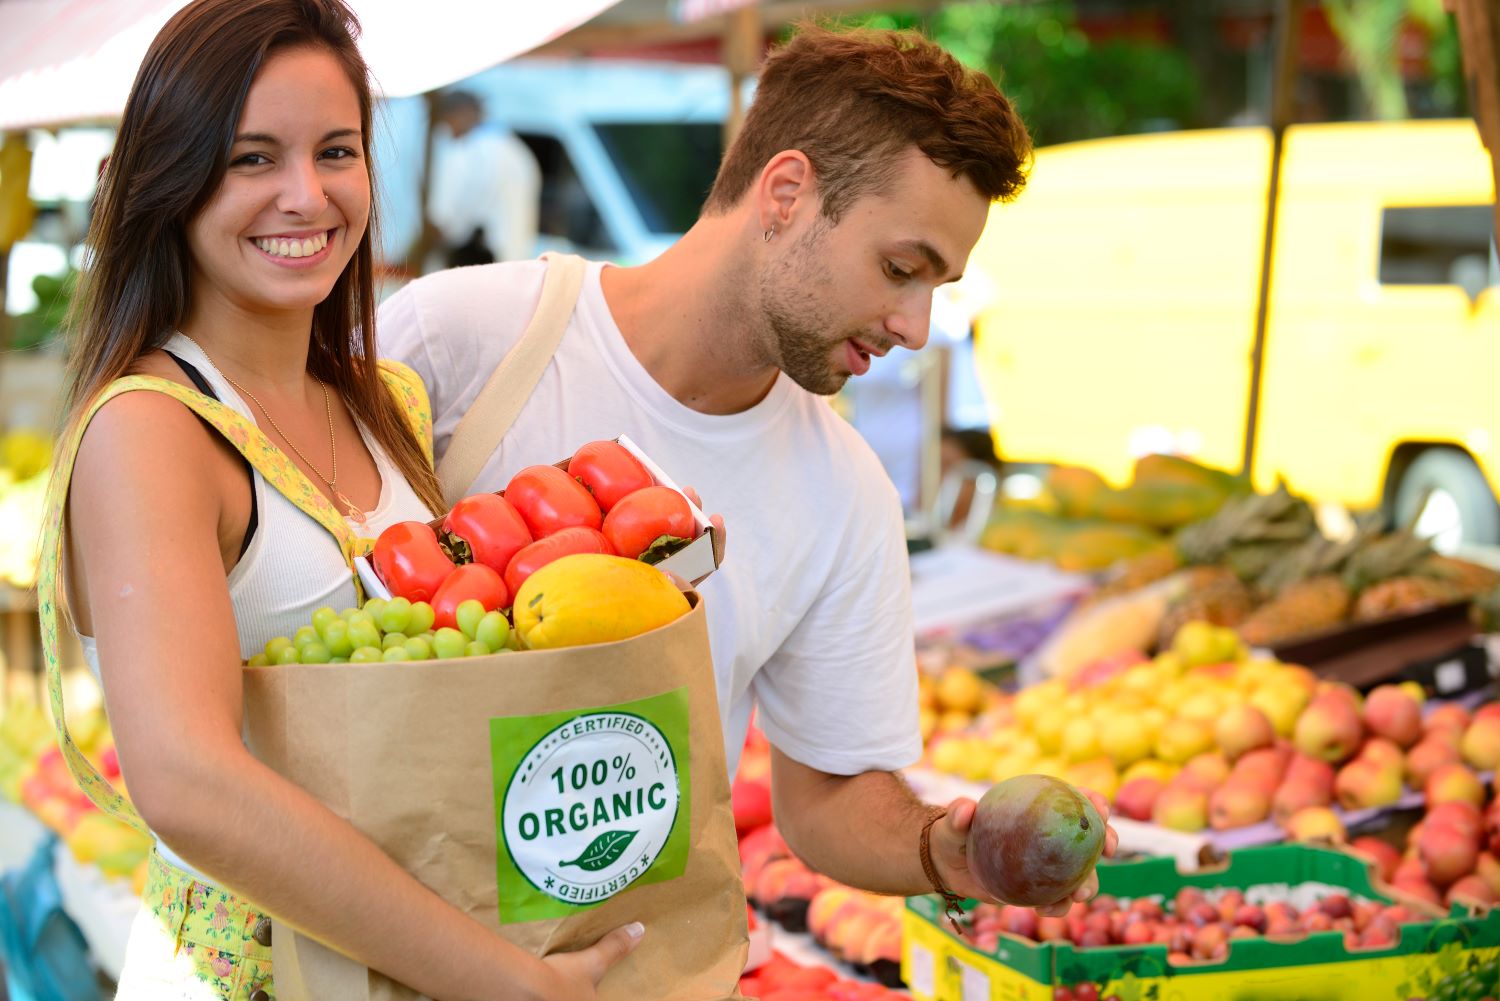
pixel 1152 768
pixel 1126 739
pixel 1096 774
pixel 1048 729
pixel 1080 741
pixel 1182 738
pixel 960 690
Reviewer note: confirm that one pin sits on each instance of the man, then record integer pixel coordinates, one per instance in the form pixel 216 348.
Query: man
pixel 860 183
pixel 486 187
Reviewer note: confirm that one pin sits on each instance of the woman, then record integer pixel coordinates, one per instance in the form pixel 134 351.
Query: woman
pixel 231 257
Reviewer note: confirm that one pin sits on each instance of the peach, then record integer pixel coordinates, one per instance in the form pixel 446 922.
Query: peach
pixel 1471 889
pixel 1136 798
pixel 1366 782
pixel 1461 814
pixel 1329 728
pixel 1295 794
pixel 1481 743
pixel 1206 770
pixel 1446 853
pixel 1243 728
pixel 1454 782
pixel 1181 808
pixel 1251 916
pixel 1384 751
pixel 1316 823
pixel 1266 766
pixel 1449 716
pixel 1384 857
pixel 1393 714
pixel 1022 921
pixel 1430 754
pixel 1487 868
pixel 1237 803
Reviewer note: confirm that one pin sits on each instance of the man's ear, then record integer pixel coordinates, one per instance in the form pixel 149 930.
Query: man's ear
pixel 786 191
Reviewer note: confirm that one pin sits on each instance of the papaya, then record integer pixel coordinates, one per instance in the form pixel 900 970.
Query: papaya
pixel 1097 545
pixel 1078 491
pixel 1162 505
pixel 590 598
pixel 1158 468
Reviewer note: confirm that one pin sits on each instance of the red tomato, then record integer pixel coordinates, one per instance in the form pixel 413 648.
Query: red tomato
pixel 493 530
pixel 543 551
pixel 472 580
pixel 647 517
pixel 410 562
pixel 609 472
pixel 549 499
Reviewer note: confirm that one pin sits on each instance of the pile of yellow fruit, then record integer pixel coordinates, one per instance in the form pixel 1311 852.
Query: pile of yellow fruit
pixel 951 701
pixel 25 459
pixel 1146 719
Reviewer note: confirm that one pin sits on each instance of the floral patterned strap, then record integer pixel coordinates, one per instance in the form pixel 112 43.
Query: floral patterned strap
pixel 406 386
pixel 273 465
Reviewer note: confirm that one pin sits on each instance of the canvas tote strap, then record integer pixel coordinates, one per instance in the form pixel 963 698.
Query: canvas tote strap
pixel 268 460
pixel 514 379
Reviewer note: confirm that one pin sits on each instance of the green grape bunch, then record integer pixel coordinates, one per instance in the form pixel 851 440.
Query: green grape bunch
pixel 385 631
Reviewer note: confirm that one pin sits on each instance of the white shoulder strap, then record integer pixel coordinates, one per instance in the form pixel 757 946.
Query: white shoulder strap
pixel 495 409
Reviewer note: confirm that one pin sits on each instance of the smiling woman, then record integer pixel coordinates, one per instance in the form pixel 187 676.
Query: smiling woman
pixel 229 437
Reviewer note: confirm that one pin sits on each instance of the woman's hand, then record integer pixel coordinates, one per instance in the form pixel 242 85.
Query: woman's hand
pixel 577 974
pixel 950 853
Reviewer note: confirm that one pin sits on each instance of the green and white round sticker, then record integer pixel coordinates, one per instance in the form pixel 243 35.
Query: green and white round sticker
pixel 591 807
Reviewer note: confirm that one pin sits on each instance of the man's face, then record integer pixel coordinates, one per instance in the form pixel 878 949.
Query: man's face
pixel 842 293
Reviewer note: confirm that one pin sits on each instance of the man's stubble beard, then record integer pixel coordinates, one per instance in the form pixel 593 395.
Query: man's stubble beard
pixel 797 320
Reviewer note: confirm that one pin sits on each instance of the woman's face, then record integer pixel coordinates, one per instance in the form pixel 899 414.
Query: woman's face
pixel 295 200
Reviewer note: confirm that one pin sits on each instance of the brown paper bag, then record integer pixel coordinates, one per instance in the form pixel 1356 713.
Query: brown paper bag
pixel 553 795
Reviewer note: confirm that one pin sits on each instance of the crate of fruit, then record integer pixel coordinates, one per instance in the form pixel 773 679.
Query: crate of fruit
pixel 1280 923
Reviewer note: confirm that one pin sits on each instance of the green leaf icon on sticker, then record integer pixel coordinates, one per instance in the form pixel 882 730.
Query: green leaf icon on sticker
pixel 604 852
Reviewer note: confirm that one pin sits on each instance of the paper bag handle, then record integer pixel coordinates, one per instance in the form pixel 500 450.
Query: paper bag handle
pixel 514 380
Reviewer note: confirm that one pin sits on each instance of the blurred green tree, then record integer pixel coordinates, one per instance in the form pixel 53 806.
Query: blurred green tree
pixel 1065 85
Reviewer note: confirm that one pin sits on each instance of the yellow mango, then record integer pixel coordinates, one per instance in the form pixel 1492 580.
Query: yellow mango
pixel 591 598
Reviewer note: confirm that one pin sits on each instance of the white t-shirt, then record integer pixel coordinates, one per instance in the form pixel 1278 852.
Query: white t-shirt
pixel 809 616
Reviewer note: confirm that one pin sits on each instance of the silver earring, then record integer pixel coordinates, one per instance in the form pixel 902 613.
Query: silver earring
pixel 769 233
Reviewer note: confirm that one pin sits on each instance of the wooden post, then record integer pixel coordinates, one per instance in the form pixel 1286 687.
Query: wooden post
pixel 416 257
pixel 743 40
pixel 1479 34
pixel 1287 52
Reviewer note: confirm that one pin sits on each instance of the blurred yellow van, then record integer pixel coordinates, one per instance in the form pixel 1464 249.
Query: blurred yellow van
pixel 1126 279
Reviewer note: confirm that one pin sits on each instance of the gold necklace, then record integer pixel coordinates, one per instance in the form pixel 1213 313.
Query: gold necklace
pixel 351 510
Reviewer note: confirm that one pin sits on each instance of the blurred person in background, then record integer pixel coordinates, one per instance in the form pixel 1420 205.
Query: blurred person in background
pixel 486 187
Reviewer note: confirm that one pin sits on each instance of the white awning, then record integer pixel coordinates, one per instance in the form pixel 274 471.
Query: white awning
pixel 71 61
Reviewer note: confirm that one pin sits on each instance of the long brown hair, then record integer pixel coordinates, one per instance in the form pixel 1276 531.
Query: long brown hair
pixel 169 159
pixel 853 101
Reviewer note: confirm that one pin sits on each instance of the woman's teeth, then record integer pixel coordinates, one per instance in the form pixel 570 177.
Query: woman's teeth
pixel 293 248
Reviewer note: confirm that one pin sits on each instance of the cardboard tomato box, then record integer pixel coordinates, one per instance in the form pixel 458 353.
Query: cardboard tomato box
pixel 1460 948
pixel 692 563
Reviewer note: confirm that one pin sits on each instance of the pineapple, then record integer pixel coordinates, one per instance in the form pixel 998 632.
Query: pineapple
pixel 1470 578
pixel 1138 571
pixel 1249 533
pixel 1209 594
pixel 1405 595
pixel 1395 555
pixel 1308 606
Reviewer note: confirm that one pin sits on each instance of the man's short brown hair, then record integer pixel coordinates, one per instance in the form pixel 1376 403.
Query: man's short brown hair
pixel 853 101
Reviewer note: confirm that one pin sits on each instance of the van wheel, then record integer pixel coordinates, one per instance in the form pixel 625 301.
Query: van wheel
pixel 1456 504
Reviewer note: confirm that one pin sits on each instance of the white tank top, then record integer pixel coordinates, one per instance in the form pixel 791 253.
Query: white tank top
pixel 293 566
